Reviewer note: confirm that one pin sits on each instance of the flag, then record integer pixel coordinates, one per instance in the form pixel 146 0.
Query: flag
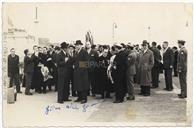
pixel 9 21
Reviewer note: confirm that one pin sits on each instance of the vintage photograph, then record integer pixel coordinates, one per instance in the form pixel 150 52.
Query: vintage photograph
pixel 118 64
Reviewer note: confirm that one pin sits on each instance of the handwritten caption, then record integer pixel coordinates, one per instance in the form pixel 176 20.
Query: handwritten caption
pixel 72 106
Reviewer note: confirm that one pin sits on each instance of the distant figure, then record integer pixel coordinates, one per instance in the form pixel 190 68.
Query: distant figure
pixel 145 64
pixel 182 69
pixel 168 65
pixel 175 51
pixel 28 70
pixel 13 70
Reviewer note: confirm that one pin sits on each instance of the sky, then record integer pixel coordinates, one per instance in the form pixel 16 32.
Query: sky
pixel 70 21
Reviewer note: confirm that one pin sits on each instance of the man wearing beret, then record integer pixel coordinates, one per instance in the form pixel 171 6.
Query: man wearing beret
pixel 81 82
pixel 62 61
pixel 182 69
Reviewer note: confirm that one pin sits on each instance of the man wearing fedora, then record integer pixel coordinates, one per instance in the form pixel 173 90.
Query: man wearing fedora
pixel 145 64
pixel 62 61
pixel 81 82
pixel 182 68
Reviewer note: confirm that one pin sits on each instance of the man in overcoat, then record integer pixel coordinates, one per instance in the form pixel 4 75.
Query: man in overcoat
pixel 81 82
pixel 62 60
pixel 13 70
pixel 120 73
pixel 145 64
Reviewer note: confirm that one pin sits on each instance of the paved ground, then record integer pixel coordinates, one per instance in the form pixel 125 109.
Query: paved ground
pixel 161 108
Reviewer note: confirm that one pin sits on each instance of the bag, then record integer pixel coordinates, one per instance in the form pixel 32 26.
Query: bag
pixel 10 95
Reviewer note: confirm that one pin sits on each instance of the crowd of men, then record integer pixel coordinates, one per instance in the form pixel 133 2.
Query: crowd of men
pixel 82 70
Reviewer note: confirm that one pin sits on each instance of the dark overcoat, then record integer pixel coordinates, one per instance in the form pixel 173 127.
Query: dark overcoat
pixel 145 64
pixel 13 65
pixel 81 82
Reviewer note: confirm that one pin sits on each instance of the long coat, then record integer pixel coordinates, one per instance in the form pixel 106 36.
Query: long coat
pixel 120 72
pixel 13 65
pixel 81 82
pixel 145 64
pixel 102 84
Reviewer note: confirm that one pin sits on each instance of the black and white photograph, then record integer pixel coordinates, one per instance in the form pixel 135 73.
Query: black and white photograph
pixel 97 64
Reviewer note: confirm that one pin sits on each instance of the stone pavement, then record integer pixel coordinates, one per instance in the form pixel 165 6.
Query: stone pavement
pixel 161 108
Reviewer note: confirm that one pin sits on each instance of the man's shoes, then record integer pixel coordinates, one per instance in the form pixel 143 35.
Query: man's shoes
pixel 165 89
pixel 179 95
pixel 60 102
pixel 182 97
pixel 146 95
pixel 169 89
pixel 131 98
pixel 39 92
pixel 29 93
pixel 78 100
pixel 93 95
pixel 19 92
pixel 67 100
pixel 109 97
pixel 153 87
pixel 44 91
pixel 140 93
pixel 83 101
pixel 118 101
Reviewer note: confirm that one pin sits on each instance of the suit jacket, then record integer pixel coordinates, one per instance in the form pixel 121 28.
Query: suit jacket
pixel 28 65
pixel 13 65
pixel 168 59
pixel 157 56
pixel 132 58
pixel 62 65
pixel 182 60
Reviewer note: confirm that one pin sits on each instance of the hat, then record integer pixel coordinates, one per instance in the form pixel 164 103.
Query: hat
pixel 130 45
pixel 181 42
pixel 144 43
pixel 78 42
pixel 118 45
pixel 71 45
pixel 57 48
pixel 105 46
pixel 123 45
pixel 64 45
pixel 93 46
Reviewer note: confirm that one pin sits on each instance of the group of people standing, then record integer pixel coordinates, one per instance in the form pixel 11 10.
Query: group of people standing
pixel 78 70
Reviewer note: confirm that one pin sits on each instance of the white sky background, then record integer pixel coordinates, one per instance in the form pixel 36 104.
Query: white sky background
pixel 70 21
